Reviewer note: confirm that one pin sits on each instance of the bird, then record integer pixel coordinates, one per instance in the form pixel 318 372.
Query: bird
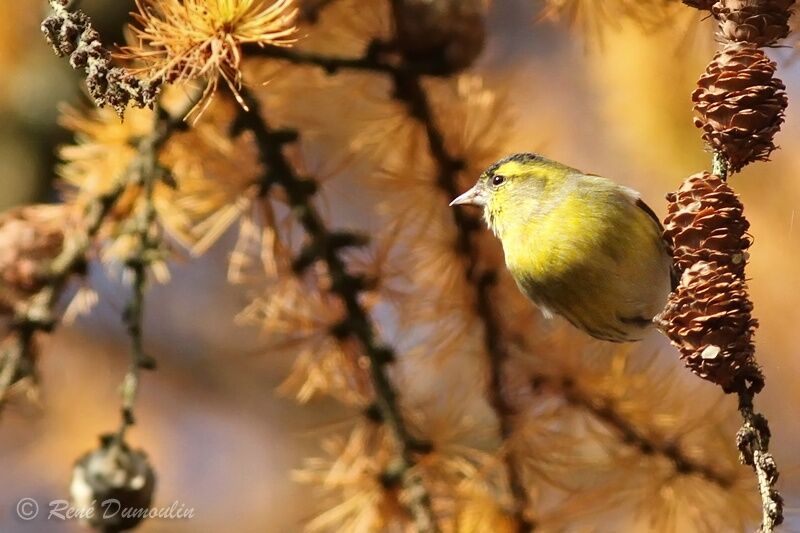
pixel 578 245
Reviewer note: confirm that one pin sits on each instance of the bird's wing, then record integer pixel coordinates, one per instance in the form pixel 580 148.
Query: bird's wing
pixel 673 274
pixel 636 199
pixel 646 208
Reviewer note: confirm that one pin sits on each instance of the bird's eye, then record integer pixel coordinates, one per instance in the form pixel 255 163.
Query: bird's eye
pixel 498 180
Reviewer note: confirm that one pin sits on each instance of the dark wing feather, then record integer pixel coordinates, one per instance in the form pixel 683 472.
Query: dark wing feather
pixel 674 277
pixel 646 208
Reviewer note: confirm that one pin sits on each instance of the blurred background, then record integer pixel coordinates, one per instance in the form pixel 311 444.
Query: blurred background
pixel 617 104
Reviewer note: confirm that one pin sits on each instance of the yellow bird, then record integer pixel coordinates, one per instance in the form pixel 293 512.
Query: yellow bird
pixel 578 245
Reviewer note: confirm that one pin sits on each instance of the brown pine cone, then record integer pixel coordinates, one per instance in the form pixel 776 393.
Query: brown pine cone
pixel 740 105
pixel 29 238
pixel 700 4
pixel 708 318
pixel 705 222
pixel 446 35
pixel 759 22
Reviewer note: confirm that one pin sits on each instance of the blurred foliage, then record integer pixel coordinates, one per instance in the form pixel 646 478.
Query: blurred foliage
pixel 602 86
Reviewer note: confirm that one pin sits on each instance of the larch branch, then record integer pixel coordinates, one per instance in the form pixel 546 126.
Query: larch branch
pixel 408 89
pixel 38 313
pixel 646 441
pixel 325 245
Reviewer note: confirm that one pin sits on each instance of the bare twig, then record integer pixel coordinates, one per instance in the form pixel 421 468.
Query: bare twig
pixel 753 443
pixel 146 251
pixel 753 437
pixel 719 166
pixel 373 61
pixel 379 57
pixel 325 245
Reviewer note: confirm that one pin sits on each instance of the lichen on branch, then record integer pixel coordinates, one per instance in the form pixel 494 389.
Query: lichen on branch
pixel 72 35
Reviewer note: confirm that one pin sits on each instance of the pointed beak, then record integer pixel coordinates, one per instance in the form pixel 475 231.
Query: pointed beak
pixel 474 196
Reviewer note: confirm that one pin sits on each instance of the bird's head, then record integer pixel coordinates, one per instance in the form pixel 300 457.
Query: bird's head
pixel 517 189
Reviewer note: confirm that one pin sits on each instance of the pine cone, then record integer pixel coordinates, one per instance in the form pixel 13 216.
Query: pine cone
pixel 759 22
pixel 700 4
pixel 29 237
pixel 112 486
pixel 446 35
pixel 708 318
pixel 740 105
pixel 705 222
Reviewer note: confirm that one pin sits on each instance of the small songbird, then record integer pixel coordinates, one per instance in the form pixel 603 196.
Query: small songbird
pixel 578 245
